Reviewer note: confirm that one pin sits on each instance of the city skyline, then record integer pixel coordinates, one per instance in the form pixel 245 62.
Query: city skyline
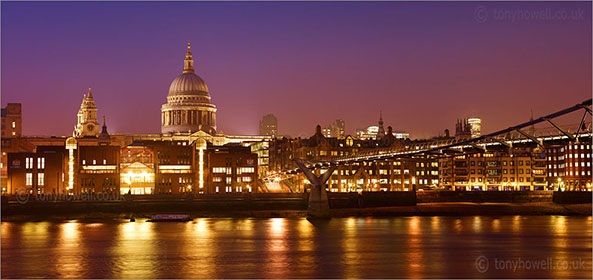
pixel 451 62
pixel 296 140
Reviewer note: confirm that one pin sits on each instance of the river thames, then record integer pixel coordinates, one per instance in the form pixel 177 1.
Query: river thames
pixel 394 247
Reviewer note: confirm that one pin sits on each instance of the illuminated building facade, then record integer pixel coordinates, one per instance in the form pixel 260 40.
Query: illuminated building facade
pixel 11 145
pixel 519 169
pixel 471 127
pixel 98 169
pixel 336 129
pixel 188 107
pixel 38 172
pixel 233 169
pixel 367 133
pixel 176 166
pixel 11 142
pixel 475 125
pixel 137 169
pixel 387 175
pixel 569 165
pixel 87 123
pixel 141 168
pixel 262 150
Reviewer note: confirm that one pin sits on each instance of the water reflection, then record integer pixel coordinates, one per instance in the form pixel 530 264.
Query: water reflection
pixel 69 251
pixel 351 253
pixel 399 247
pixel 276 249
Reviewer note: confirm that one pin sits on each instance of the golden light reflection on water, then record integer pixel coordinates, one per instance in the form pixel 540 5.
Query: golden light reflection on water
pixel 560 243
pixel 200 229
pixel 69 255
pixel 435 223
pixel 477 224
pixel 458 226
pixel 516 224
pixel 34 229
pixel 135 247
pixel 495 225
pixel 414 249
pixel 351 253
pixel 246 227
pixel 305 229
pixel 306 260
pixel 401 247
pixel 5 229
pixel 198 251
pixel 276 249
pixel 414 226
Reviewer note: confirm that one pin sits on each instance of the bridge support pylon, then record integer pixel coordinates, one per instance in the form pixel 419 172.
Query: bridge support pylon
pixel 318 203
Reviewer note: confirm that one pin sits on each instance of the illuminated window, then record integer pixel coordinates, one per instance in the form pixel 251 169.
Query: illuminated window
pixel 40 163
pixel 29 179
pixel 218 170
pixel 13 124
pixel 41 179
pixel 247 169
pixel 13 133
pixel 29 163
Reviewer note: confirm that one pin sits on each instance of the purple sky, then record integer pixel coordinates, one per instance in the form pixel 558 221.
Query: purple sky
pixel 423 64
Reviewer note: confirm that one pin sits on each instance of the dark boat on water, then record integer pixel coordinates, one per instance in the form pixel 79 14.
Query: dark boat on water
pixel 170 218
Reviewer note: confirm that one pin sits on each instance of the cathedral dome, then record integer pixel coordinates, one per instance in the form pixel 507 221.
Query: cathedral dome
pixel 188 108
pixel 188 84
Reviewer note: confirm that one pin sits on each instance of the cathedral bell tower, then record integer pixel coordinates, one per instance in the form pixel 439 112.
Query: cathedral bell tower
pixel 87 118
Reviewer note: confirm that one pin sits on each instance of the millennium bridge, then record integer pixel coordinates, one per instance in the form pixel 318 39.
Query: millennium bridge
pixel 513 135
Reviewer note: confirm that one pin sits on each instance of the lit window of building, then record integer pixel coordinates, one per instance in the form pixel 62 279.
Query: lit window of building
pixel 40 163
pixel 218 170
pixel 29 179
pixel 40 179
